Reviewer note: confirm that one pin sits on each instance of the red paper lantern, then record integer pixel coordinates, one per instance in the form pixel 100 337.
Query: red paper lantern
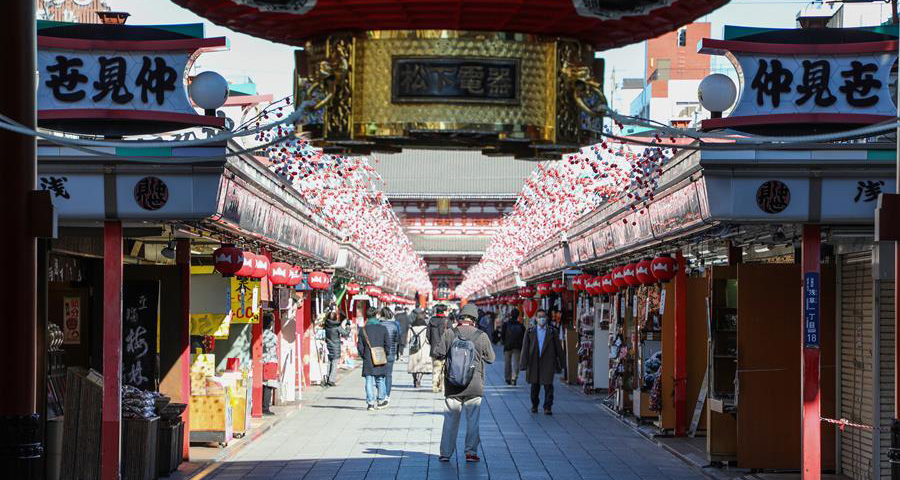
pixel 643 273
pixel 530 307
pixel 618 277
pixel 295 276
pixel 260 266
pixel 228 260
pixel 628 272
pixel 558 286
pixel 663 268
pixel 279 273
pixel 543 289
pixel 248 265
pixel 594 287
pixel 319 281
pixel 527 291
pixel 578 283
pixel 353 288
pixel 608 285
pixel 373 291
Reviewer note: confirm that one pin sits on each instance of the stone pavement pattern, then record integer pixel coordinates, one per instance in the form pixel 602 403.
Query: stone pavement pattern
pixel 336 438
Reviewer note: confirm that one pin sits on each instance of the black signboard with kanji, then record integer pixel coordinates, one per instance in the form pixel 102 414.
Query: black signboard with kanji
pixel 140 311
pixel 455 80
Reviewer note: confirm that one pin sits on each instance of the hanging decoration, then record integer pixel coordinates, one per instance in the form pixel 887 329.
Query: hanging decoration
pixel 295 276
pixel 248 265
pixel 628 273
pixel 527 291
pixel 260 266
pixel 618 279
pixel 353 288
pixel 319 281
pixel 578 283
pixel 663 268
pixel 607 282
pixel 558 286
pixel 228 260
pixel 279 273
pixel 643 274
pixel 373 291
pixel 543 289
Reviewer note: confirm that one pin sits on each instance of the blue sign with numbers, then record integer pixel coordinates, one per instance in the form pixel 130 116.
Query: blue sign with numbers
pixel 811 294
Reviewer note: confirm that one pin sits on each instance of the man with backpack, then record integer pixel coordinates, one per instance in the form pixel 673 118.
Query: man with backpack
pixel 436 327
pixel 466 349
pixel 512 335
pixel 542 358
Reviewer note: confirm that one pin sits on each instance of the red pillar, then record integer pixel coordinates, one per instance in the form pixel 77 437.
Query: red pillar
pixel 298 350
pixel 110 433
pixel 183 259
pixel 680 354
pixel 304 335
pixel 811 438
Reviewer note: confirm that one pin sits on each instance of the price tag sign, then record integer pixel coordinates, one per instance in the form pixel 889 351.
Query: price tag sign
pixel 811 305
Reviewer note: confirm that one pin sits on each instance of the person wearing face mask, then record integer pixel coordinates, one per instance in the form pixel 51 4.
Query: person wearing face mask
pixel 542 358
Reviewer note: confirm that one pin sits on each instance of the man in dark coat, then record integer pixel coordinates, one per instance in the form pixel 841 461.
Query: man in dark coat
pixel 466 398
pixel 436 328
pixel 375 335
pixel 386 317
pixel 403 320
pixel 512 335
pixel 542 358
pixel 335 330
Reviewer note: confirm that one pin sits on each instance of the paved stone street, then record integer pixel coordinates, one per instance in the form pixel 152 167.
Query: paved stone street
pixel 338 439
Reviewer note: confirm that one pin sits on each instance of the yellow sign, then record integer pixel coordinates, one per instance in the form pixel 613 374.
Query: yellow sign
pixel 244 296
pixel 215 324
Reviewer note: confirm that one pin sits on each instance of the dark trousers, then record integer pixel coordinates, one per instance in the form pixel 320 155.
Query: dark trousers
pixel 389 378
pixel 536 395
pixel 267 398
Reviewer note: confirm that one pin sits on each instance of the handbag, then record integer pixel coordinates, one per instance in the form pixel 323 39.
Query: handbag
pixel 379 356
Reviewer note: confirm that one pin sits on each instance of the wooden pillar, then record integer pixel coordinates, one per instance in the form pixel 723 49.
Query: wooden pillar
pixel 680 354
pixel 810 433
pixel 111 429
pixel 183 260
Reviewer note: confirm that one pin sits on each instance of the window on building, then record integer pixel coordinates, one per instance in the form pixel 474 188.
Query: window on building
pixel 682 37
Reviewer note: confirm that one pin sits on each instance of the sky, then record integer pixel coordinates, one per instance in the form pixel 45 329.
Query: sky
pixel 271 65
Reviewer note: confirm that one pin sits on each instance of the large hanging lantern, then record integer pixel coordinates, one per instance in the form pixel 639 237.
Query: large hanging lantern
pixel 543 289
pixel 279 273
pixel 260 266
pixel 228 260
pixel 527 291
pixel 608 286
pixel 628 273
pixel 618 277
pixel 319 281
pixel 373 291
pixel 663 268
pixel 248 265
pixel 295 276
pixel 353 288
pixel 558 286
pixel 643 273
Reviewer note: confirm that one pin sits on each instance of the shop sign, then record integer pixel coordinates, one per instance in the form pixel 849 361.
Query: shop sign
pixel 215 325
pixel 243 299
pixel 89 196
pixel 773 196
pixel 811 295
pixel 71 325
pixel 455 80
pixel 845 83
pixel 140 308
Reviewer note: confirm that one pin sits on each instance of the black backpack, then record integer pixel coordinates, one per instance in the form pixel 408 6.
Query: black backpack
pixel 416 344
pixel 461 361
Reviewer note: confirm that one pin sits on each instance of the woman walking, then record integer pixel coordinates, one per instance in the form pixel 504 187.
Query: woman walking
pixel 419 349
pixel 335 330
pixel 373 344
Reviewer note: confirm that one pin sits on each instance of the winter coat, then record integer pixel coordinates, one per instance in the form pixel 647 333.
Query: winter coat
pixel 486 355
pixel 333 334
pixel 393 337
pixel 419 362
pixel 512 334
pixel 403 321
pixel 542 367
pixel 436 328
pixel 378 337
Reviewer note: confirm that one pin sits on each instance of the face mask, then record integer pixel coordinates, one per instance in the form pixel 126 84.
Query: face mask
pixel 542 321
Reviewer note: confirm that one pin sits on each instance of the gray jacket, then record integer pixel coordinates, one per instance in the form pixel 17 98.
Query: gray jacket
pixel 486 353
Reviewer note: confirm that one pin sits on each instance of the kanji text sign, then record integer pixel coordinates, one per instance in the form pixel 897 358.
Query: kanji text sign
pixel 140 80
pixel 455 79
pixel 811 306
pixel 805 84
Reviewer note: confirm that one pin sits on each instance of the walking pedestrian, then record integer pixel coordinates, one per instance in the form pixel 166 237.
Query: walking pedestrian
pixel 485 324
pixel 513 334
pixel 542 358
pixel 466 349
pixel 270 363
pixel 403 320
pixel 386 317
pixel 335 330
pixel 373 345
pixel 419 349
pixel 436 327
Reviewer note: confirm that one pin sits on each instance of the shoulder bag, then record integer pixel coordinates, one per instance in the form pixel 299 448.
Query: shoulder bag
pixel 379 356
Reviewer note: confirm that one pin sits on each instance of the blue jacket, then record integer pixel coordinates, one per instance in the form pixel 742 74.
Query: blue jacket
pixel 393 338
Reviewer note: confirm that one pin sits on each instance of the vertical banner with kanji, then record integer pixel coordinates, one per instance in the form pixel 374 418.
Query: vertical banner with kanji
pixel 71 320
pixel 244 300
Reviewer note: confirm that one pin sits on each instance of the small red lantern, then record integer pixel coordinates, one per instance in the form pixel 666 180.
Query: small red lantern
pixel 319 281
pixel 558 286
pixel 228 260
pixel 643 274
pixel 248 265
pixel 295 276
pixel 260 266
pixel 595 287
pixel 628 272
pixel 543 289
pixel 527 291
pixel 618 277
pixel 353 288
pixel 373 291
pixel 663 268
pixel 608 285
pixel 578 283
pixel 279 273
